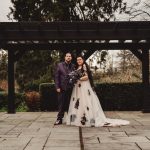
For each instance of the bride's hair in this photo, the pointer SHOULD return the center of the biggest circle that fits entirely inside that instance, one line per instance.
(87, 69)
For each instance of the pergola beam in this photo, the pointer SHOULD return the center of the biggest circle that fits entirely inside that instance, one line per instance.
(137, 54)
(74, 35)
(88, 46)
(75, 31)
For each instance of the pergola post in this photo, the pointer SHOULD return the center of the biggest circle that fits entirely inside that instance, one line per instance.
(11, 83)
(145, 79)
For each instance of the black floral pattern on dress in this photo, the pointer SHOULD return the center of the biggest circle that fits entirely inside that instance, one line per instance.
(87, 108)
(83, 120)
(73, 98)
(77, 104)
(89, 92)
(72, 118)
(92, 121)
(79, 85)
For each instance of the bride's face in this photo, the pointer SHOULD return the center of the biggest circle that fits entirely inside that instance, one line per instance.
(80, 61)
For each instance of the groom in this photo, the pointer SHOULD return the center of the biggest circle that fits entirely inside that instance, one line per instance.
(63, 92)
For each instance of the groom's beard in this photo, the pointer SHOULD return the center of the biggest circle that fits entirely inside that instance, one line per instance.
(68, 62)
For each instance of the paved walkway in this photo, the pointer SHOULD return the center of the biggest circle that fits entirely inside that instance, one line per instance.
(35, 131)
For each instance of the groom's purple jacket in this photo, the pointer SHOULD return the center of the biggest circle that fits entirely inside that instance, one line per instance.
(60, 75)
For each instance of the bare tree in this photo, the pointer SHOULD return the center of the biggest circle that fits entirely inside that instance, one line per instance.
(128, 59)
(140, 10)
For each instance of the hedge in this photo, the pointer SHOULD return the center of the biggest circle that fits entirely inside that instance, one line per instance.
(48, 97)
(115, 96)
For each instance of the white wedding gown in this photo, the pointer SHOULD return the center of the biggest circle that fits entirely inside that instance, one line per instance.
(85, 109)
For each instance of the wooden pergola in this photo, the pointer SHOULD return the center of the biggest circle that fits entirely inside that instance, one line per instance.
(17, 37)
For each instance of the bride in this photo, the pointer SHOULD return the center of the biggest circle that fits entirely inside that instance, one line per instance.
(85, 109)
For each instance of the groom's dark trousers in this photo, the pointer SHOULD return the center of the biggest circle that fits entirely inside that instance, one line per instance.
(63, 102)
(60, 82)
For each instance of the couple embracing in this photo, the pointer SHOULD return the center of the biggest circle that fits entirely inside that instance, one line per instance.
(83, 106)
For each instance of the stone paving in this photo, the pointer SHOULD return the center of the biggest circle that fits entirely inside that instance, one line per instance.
(35, 131)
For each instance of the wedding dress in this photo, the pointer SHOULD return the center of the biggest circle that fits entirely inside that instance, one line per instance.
(85, 109)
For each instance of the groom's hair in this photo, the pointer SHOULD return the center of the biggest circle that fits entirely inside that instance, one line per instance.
(67, 53)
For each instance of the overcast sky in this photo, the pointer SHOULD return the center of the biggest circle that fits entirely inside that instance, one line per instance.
(4, 9)
(5, 4)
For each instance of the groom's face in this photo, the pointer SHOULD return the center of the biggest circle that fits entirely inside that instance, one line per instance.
(68, 57)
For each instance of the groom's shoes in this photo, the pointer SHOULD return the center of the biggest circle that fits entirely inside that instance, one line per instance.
(58, 122)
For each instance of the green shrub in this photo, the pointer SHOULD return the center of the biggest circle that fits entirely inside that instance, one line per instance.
(32, 86)
(22, 107)
(19, 101)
